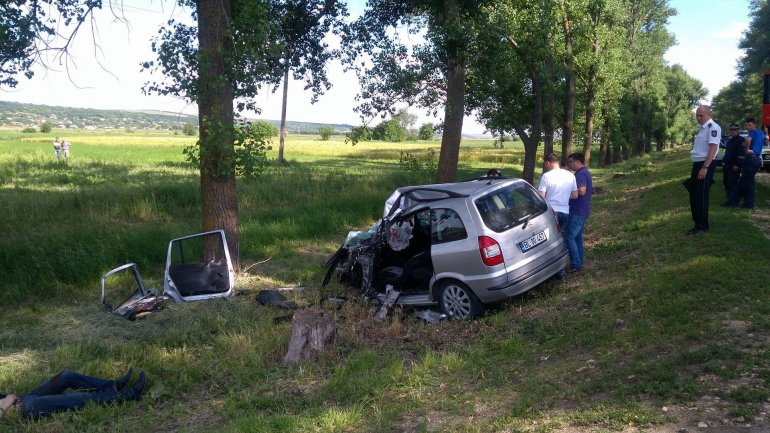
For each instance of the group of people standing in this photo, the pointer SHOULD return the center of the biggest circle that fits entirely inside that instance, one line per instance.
(568, 191)
(61, 149)
(742, 160)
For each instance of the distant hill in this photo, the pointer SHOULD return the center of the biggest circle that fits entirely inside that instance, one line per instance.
(21, 115)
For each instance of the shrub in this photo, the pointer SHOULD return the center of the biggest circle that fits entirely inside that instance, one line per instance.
(262, 130)
(389, 130)
(359, 133)
(28, 130)
(423, 168)
(189, 129)
(45, 127)
(426, 131)
(325, 132)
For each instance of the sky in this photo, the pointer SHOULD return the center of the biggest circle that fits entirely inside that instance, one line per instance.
(107, 75)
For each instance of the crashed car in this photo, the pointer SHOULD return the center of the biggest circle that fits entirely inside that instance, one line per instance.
(456, 245)
(198, 267)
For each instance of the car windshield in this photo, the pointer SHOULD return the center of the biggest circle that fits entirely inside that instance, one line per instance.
(510, 206)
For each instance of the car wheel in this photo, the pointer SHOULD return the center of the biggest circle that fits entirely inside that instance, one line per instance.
(458, 301)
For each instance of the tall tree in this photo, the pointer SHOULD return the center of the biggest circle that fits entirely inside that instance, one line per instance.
(756, 40)
(431, 75)
(300, 31)
(30, 29)
(218, 64)
(647, 39)
(567, 18)
(506, 84)
(743, 97)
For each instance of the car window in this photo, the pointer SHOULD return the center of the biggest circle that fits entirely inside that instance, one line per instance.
(446, 226)
(510, 206)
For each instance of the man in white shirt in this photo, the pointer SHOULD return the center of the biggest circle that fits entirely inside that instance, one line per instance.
(702, 154)
(558, 186)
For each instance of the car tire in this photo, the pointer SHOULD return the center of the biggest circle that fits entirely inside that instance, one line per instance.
(458, 301)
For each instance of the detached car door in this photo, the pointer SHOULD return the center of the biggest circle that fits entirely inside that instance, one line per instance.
(198, 267)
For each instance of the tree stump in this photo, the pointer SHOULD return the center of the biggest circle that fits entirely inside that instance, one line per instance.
(311, 331)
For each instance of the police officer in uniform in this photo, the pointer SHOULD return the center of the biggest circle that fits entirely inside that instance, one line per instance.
(732, 163)
(702, 154)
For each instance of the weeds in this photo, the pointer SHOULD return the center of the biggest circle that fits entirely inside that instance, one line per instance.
(646, 324)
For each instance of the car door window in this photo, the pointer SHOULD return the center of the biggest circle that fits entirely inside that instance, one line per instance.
(446, 226)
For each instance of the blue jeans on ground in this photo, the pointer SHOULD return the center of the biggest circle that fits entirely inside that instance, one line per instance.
(49, 397)
(573, 237)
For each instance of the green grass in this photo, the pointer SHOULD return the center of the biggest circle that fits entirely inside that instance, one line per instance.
(644, 326)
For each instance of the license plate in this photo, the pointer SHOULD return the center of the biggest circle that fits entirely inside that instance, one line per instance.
(532, 242)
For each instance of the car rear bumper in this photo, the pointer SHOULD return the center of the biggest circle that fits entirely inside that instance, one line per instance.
(526, 281)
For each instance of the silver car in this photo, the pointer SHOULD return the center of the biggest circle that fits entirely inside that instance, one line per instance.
(456, 245)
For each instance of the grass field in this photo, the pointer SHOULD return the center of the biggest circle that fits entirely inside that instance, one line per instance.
(661, 332)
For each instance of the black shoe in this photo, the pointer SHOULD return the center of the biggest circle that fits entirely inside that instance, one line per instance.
(136, 390)
(574, 271)
(692, 231)
(743, 206)
(123, 381)
(728, 204)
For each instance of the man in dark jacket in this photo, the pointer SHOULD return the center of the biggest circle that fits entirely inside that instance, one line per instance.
(732, 163)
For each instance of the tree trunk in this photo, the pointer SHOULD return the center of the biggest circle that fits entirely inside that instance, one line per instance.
(455, 100)
(550, 105)
(219, 198)
(283, 111)
(589, 128)
(311, 331)
(532, 140)
(604, 139)
(569, 83)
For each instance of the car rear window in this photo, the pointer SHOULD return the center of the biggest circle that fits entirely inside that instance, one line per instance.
(510, 206)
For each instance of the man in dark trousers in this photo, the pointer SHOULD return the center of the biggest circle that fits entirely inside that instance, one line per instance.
(704, 148)
(732, 163)
(753, 162)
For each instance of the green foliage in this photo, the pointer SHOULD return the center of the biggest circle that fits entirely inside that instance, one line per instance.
(263, 130)
(422, 167)
(389, 130)
(426, 131)
(249, 144)
(602, 351)
(755, 41)
(45, 127)
(29, 130)
(325, 132)
(189, 129)
(26, 29)
(359, 133)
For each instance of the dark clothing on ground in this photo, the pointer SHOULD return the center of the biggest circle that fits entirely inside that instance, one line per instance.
(50, 397)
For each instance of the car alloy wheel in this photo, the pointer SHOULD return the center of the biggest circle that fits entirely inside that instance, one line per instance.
(458, 301)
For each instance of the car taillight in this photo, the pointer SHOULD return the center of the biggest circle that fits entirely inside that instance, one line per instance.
(556, 218)
(491, 253)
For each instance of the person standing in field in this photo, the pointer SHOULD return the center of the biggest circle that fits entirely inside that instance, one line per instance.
(579, 210)
(57, 149)
(732, 163)
(65, 149)
(753, 149)
(558, 187)
(704, 149)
